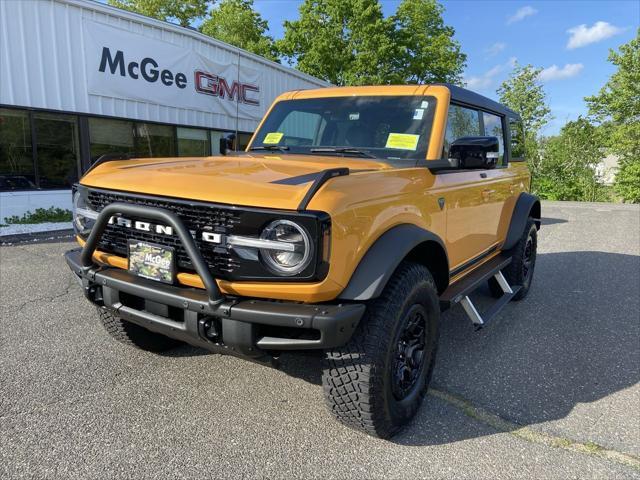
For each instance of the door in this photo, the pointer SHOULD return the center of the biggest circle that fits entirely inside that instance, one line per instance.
(470, 196)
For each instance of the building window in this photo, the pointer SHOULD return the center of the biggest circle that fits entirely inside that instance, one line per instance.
(154, 140)
(16, 156)
(110, 136)
(243, 140)
(57, 150)
(493, 128)
(193, 142)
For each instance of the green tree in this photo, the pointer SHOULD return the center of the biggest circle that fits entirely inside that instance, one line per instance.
(566, 170)
(346, 42)
(426, 49)
(184, 11)
(627, 184)
(617, 108)
(237, 23)
(524, 94)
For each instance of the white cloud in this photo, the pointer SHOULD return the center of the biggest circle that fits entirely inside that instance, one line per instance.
(582, 35)
(557, 73)
(489, 78)
(495, 49)
(521, 14)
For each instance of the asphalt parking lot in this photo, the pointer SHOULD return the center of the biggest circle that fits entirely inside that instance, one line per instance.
(549, 390)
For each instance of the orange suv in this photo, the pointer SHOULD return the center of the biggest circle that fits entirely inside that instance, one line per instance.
(355, 216)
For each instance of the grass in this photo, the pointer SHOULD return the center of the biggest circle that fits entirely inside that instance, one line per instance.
(41, 215)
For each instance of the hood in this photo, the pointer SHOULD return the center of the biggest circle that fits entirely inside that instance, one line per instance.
(273, 181)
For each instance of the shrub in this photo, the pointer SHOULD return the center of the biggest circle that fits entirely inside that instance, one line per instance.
(41, 215)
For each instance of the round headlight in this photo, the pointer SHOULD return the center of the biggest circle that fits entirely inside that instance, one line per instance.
(296, 253)
(83, 216)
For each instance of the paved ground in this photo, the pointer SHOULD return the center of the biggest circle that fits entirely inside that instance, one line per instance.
(550, 390)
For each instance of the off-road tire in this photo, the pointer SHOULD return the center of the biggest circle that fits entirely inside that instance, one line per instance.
(134, 335)
(358, 379)
(514, 273)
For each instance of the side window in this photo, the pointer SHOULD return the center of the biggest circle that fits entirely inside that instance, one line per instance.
(461, 122)
(493, 128)
(517, 139)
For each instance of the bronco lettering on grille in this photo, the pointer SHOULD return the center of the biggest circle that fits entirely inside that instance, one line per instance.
(205, 236)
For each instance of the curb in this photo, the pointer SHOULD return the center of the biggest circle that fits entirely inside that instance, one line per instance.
(37, 237)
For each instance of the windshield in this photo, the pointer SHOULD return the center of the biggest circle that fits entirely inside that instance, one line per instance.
(394, 128)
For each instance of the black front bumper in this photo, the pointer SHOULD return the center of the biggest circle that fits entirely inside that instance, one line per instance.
(242, 326)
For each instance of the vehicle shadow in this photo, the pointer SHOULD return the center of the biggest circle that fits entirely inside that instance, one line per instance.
(573, 340)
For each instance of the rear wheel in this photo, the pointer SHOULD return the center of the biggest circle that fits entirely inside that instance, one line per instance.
(523, 262)
(377, 381)
(134, 335)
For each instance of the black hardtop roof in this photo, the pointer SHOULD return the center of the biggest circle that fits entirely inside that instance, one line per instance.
(462, 95)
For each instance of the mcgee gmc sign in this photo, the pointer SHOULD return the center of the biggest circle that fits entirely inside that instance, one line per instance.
(148, 70)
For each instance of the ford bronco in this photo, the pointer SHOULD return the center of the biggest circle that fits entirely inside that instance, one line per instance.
(354, 217)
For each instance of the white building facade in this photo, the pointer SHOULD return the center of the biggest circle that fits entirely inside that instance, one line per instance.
(79, 79)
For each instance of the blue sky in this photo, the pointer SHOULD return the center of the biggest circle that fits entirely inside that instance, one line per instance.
(573, 36)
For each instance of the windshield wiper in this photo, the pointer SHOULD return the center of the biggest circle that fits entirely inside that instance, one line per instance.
(354, 151)
(282, 148)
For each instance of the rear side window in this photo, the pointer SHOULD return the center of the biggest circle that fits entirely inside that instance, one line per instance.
(493, 128)
(517, 139)
(461, 122)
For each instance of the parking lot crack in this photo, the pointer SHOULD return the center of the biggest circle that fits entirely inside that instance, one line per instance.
(45, 298)
(530, 435)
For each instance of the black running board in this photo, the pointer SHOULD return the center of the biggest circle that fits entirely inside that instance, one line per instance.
(459, 292)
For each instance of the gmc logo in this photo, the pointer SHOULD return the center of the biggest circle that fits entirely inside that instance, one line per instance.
(218, 87)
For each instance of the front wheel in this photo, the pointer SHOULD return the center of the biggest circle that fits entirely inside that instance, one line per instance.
(378, 380)
(134, 335)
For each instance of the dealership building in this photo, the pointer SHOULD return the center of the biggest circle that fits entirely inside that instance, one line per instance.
(79, 79)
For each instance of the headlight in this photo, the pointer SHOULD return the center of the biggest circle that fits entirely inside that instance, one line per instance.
(83, 216)
(296, 252)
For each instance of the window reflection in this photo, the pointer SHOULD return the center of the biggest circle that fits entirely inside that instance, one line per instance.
(154, 140)
(493, 128)
(110, 136)
(16, 160)
(57, 149)
(193, 142)
(461, 122)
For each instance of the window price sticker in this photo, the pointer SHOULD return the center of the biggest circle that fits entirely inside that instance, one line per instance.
(402, 141)
(273, 138)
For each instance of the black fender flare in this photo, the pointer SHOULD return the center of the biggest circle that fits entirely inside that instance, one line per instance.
(383, 257)
(526, 206)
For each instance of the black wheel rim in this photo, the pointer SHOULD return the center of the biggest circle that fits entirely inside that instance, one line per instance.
(409, 354)
(528, 257)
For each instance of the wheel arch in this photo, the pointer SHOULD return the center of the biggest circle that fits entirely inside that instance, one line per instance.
(407, 242)
(527, 205)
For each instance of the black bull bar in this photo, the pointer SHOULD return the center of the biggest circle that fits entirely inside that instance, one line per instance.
(236, 322)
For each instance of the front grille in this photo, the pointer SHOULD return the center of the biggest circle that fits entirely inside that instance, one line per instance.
(196, 218)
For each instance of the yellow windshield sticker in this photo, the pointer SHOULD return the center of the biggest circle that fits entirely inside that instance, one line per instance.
(273, 137)
(403, 141)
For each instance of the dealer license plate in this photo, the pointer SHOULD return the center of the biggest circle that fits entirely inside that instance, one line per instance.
(152, 261)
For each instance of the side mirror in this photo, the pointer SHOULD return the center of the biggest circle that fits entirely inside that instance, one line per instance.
(474, 152)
